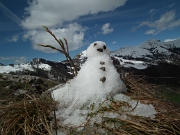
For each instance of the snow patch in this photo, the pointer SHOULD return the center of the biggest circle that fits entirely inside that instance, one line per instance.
(132, 63)
(21, 67)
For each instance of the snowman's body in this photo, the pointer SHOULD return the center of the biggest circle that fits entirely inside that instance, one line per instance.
(96, 80)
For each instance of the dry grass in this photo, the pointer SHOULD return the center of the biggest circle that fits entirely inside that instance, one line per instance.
(33, 115)
(167, 120)
(29, 117)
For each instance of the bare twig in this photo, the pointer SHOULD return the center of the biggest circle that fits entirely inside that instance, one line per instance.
(64, 51)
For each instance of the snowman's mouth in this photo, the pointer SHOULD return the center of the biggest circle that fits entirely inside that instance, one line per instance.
(100, 50)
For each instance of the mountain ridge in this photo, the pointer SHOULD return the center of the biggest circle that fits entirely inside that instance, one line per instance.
(39, 67)
(138, 57)
(151, 50)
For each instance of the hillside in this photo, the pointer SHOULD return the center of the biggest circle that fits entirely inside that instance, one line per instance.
(25, 96)
(151, 51)
(152, 58)
(39, 67)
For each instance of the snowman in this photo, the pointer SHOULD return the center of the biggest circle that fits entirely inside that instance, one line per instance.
(97, 80)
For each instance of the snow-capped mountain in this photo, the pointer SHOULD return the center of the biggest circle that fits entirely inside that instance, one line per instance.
(138, 57)
(160, 61)
(31, 66)
(150, 51)
(39, 67)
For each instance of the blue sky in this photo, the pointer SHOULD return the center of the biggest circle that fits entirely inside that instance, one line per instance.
(119, 23)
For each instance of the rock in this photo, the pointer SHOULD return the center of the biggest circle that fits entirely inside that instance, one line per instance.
(39, 81)
(103, 79)
(102, 68)
(8, 87)
(20, 92)
(102, 63)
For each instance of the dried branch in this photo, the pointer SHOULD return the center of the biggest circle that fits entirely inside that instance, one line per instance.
(63, 50)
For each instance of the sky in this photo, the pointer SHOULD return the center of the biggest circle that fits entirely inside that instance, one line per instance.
(118, 23)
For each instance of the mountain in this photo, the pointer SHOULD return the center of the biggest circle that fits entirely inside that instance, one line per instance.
(158, 61)
(150, 51)
(39, 67)
(152, 58)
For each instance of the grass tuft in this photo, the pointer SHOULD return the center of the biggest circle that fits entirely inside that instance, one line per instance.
(29, 116)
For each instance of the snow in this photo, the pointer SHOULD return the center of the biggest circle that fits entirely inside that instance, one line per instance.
(176, 43)
(132, 63)
(7, 69)
(83, 54)
(21, 67)
(140, 110)
(147, 48)
(44, 66)
(83, 94)
(168, 40)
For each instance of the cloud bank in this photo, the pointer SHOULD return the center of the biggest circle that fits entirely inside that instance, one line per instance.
(167, 21)
(58, 15)
(16, 60)
(74, 33)
(58, 11)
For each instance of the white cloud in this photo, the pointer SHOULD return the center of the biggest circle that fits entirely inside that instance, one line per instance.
(165, 22)
(105, 29)
(13, 39)
(20, 60)
(151, 31)
(74, 33)
(114, 42)
(17, 60)
(151, 11)
(170, 6)
(43, 12)
(170, 39)
(56, 14)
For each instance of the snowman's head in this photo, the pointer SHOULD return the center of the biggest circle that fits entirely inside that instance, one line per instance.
(97, 48)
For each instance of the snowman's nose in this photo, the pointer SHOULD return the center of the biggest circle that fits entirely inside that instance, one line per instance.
(100, 50)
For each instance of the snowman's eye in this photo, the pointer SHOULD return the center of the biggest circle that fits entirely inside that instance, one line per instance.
(104, 47)
(95, 44)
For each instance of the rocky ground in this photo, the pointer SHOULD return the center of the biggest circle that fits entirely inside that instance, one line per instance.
(15, 87)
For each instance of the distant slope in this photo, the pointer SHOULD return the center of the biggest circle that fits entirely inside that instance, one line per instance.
(39, 67)
(139, 57)
(151, 50)
(148, 53)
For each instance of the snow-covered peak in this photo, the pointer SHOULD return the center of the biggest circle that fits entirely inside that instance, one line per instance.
(22, 67)
(168, 40)
(14, 68)
(149, 49)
